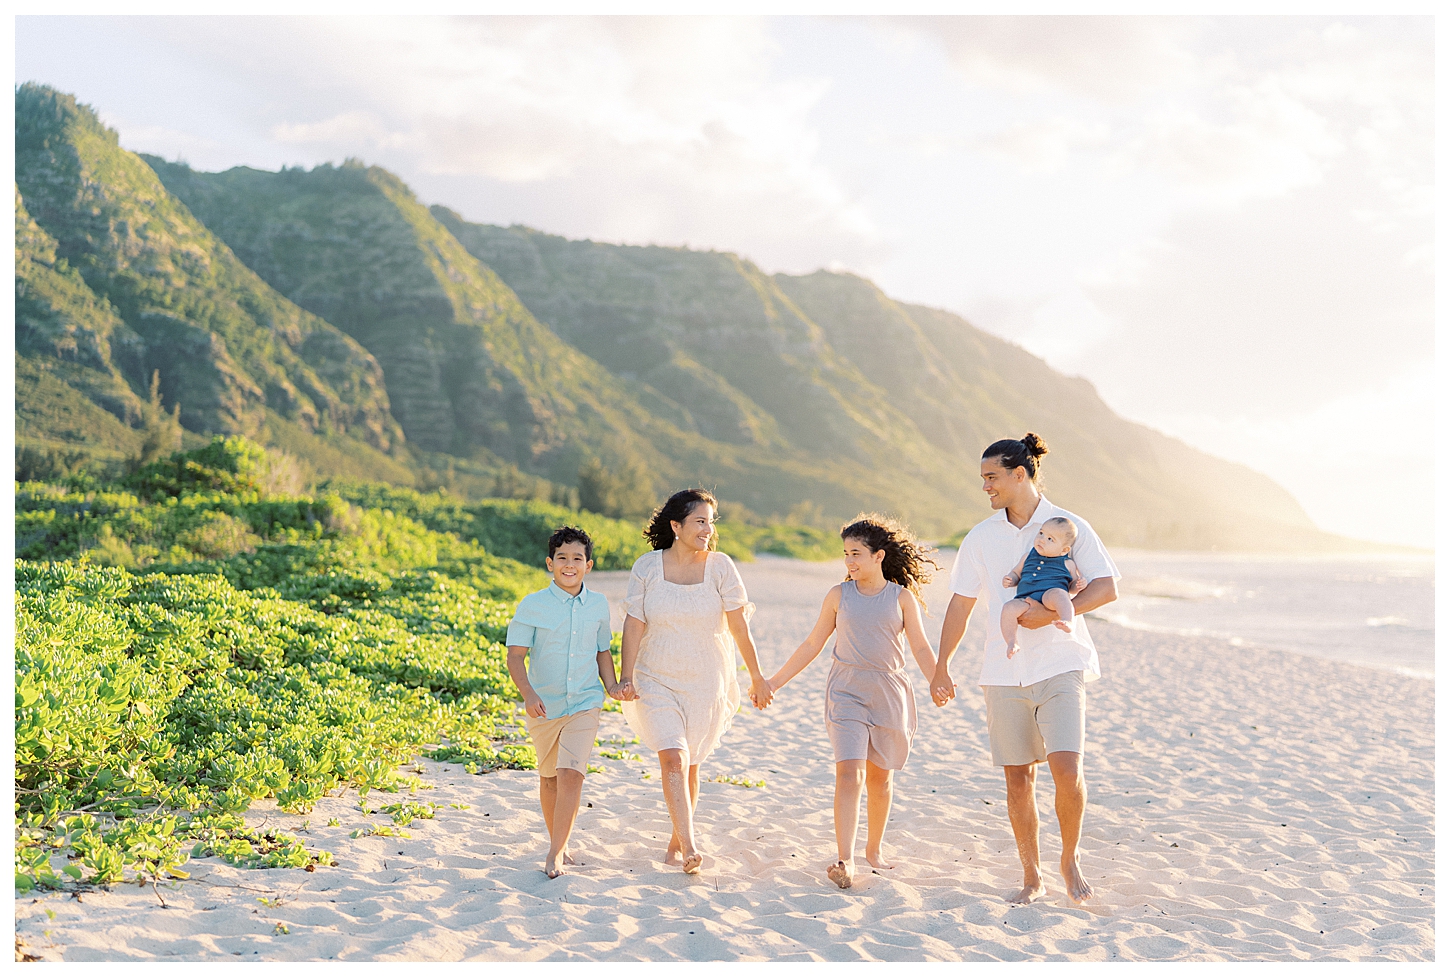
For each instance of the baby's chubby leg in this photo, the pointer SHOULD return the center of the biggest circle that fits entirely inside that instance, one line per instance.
(1011, 611)
(1060, 603)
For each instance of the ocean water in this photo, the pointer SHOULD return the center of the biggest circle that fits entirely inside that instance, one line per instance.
(1370, 610)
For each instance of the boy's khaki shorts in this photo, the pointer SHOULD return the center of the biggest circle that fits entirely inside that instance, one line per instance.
(1025, 723)
(564, 742)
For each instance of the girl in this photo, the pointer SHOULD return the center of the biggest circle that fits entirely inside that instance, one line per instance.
(870, 710)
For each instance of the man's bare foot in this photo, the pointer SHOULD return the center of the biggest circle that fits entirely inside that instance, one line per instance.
(1063, 626)
(1078, 889)
(554, 866)
(693, 863)
(840, 873)
(673, 855)
(878, 860)
(1013, 649)
(1029, 893)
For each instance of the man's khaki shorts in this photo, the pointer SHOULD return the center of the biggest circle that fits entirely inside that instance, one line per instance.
(564, 742)
(1026, 723)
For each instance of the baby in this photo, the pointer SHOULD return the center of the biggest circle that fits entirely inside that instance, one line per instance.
(1046, 572)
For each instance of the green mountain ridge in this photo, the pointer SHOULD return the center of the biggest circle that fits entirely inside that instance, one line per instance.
(329, 313)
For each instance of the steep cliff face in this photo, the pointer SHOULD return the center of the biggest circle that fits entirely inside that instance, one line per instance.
(116, 277)
(471, 369)
(845, 370)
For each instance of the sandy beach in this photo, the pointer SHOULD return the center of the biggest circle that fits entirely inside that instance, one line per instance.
(1244, 805)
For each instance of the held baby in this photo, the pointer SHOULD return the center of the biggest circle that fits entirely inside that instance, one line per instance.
(1046, 574)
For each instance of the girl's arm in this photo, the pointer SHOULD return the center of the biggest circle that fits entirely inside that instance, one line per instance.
(628, 652)
(1012, 579)
(815, 641)
(916, 635)
(760, 692)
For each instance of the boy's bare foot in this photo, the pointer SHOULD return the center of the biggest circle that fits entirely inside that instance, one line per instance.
(1078, 889)
(840, 873)
(878, 860)
(693, 863)
(1062, 626)
(1029, 893)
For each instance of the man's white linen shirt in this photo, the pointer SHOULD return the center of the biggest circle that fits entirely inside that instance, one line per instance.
(990, 552)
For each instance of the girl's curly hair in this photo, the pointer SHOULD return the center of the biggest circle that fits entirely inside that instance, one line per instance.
(677, 508)
(907, 559)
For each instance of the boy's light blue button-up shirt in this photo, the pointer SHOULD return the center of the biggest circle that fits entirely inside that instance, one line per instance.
(563, 635)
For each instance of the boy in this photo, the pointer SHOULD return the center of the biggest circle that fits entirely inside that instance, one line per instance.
(564, 631)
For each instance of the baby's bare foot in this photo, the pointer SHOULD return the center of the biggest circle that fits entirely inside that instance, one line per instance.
(878, 860)
(840, 873)
(1013, 649)
(1029, 893)
(1062, 626)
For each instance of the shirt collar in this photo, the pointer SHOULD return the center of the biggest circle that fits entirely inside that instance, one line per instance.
(563, 596)
(1045, 510)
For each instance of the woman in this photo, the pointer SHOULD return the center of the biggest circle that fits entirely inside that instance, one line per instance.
(677, 666)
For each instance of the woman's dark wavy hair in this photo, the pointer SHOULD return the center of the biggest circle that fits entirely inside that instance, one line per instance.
(906, 560)
(677, 508)
(1015, 453)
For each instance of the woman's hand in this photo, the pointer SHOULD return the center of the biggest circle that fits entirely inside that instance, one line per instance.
(624, 691)
(760, 691)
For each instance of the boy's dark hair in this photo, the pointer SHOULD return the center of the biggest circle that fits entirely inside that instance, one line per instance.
(569, 534)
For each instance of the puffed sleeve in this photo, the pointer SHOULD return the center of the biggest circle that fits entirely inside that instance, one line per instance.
(732, 588)
(638, 584)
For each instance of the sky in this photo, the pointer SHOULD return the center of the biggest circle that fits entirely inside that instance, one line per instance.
(1225, 224)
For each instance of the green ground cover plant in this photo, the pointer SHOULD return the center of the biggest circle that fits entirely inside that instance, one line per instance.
(195, 634)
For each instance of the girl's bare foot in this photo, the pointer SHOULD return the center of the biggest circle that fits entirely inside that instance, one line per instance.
(568, 858)
(554, 866)
(693, 862)
(673, 853)
(840, 873)
(878, 860)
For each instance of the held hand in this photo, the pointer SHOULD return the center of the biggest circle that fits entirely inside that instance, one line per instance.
(943, 689)
(760, 691)
(626, 692)
(534, 706)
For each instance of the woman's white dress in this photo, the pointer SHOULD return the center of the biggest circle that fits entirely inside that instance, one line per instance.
(685, 670)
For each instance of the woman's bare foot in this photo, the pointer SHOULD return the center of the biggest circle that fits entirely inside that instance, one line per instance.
(840, 873)
(1078, 889)
(878, 860)
(693, 863)
(554, 866)
(1029, 893)
(568, 858)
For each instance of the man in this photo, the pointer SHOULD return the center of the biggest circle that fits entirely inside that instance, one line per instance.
(1036, 700)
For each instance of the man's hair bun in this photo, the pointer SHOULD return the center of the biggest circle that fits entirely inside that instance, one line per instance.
(1036, 447)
